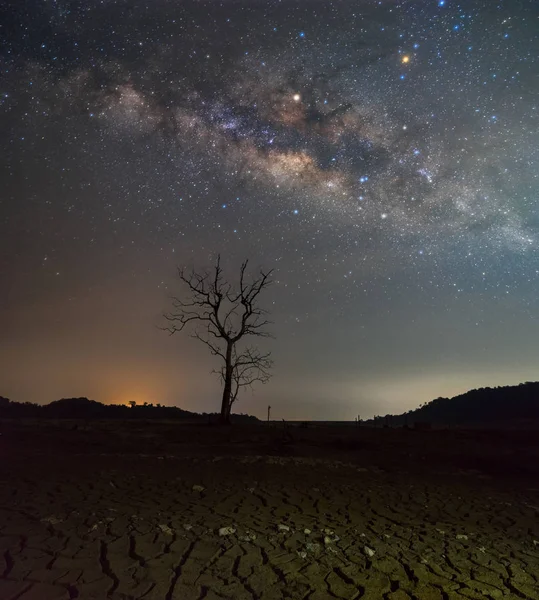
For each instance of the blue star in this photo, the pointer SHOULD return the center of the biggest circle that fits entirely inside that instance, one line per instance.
(301, 34)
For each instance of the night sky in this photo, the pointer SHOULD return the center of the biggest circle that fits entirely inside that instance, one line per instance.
(381, 156)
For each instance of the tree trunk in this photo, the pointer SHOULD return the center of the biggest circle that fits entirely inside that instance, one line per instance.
(227, 389)
(228, 412)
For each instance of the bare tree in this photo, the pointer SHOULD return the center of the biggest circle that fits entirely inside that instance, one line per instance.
(220, 315)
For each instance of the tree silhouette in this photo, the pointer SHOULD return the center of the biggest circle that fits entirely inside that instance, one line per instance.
(221, 315)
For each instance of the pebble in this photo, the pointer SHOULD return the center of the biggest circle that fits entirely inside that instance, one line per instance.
(166, 529)
(224, 531)
(369, 552)
(312, 547)
(52, 520)
(283, 527)
(248, 537)
(462, 536)
(198, 488)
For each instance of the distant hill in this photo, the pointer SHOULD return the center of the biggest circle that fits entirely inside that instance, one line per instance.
(83, 408)
(502, 406)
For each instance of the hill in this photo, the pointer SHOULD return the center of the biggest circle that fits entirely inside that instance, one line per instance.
(501, 406)
(83, 408)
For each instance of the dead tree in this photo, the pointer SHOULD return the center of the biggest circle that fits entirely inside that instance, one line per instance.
(220, 316)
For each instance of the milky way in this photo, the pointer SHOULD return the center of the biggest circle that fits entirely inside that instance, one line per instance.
(382, 156)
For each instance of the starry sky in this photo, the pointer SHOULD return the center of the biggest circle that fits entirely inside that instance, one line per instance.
(382, 156)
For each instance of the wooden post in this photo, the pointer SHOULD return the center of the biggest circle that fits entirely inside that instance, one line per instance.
(269, 408)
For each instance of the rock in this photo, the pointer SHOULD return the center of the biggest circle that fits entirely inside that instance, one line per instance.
(165, 529)
(283, 527)
(307, 531)
(302, 554)
(536, 542)
(369, 552)
(198, 488)
(187, 527)
(224, 531)
(462, 536)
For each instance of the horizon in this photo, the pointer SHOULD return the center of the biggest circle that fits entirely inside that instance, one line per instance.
(262, 415)
(381, 158)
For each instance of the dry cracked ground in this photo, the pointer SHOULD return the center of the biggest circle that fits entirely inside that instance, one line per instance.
(173, 526)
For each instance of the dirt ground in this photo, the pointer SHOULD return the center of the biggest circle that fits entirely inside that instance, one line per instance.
(163, 511)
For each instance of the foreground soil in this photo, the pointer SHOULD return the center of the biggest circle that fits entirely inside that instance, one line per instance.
(160, 511)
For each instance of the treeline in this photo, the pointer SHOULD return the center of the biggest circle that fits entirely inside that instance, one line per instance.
(484, 406)
(83, 408)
